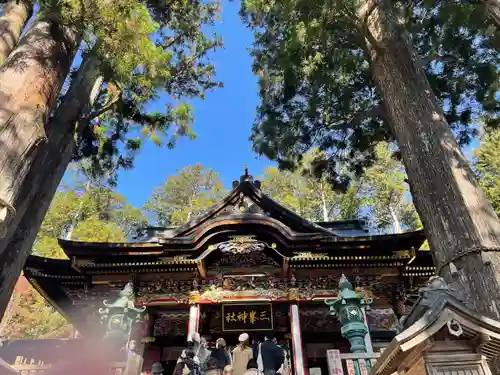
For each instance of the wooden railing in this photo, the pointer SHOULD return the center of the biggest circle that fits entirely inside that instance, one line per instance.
(24, 368)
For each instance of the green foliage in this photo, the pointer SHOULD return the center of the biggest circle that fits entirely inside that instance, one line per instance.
(386, 193)
(184, 196)
(91, 211)
(147, 50)
(291, 191)
(381, 195)
(316, 82)
(96, 230)
(309, 196)
(29, 316)
(486, 163)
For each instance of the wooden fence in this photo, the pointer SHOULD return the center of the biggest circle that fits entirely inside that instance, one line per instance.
(30, 367)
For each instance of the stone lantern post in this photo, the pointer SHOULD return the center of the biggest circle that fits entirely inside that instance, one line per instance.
(348, 308)
(120, 316)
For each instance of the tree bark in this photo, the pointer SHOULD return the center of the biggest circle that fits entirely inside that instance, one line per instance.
(15, 15)
(324, 207)
(493, 9)
(461, 226)
(45, 175)
(396, 223)
(30, 81)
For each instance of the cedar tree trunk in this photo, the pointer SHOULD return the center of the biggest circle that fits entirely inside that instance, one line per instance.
(324, 208)
(46, 173)
(30, 81)
(15, 15)
(461, 226)
(493, 8)
(396, 223)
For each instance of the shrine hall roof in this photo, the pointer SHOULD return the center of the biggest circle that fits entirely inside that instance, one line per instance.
(246, 210)
(245, 213)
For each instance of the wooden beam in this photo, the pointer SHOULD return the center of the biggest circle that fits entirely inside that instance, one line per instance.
(202, 270)
(285, 267)
(414, 356)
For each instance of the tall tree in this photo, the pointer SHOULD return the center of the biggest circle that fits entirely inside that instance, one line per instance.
(493, 9)
(31, 79)
(95, 213)
(135, 68)
(87, 211)
(185, 195)
(486, 163)
(347, 75)
(335, 205)
(310, 196)
(15, 14)
(386, 193)
(31, 317)
(291, 191)
(462, 229)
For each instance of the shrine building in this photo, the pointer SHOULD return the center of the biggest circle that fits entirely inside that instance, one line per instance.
(245, 265)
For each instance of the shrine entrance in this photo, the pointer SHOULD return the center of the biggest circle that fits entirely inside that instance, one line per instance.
(257, 319)
(169, 329)
(320, 331)
(167, 336)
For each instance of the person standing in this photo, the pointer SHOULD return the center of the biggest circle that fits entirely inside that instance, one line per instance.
(191, 363)
(270, 357)
(203, 353)
(241, 355)
(252, 368)
(212, 367)
(220, 354)
(190, 347)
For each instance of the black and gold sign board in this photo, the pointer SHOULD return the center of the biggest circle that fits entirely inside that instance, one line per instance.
(247, 317)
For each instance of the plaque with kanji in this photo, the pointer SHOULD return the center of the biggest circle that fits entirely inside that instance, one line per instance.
(247, 317)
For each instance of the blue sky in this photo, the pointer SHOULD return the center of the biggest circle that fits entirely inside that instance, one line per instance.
(223, 122)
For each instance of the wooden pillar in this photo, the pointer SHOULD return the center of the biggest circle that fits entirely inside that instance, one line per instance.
(368, 338)
(298, 354)
(194, 319)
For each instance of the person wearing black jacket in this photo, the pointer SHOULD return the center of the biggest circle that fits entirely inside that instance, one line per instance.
(272, 355)
(220, 354)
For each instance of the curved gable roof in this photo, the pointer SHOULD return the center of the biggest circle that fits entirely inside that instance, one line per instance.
(262, 203)
(434, 310)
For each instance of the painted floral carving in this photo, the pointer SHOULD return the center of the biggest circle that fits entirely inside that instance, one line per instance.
(223, 287)
(381, 320)
(171, 324)
(245, 260)
(241, 245)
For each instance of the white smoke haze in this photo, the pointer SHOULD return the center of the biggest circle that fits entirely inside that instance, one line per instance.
(89, 358)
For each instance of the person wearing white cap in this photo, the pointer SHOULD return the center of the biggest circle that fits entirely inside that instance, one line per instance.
(241, 355)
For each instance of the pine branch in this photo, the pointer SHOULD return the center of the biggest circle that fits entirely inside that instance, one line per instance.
(105, 108)
(437, 57)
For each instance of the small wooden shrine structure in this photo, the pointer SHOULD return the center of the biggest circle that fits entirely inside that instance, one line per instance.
(442, 336)
(245, 265)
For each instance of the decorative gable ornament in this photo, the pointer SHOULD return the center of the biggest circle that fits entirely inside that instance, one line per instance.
(241, 245)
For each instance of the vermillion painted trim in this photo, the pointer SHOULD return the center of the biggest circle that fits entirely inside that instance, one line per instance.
(298, 355)
(194, 318)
